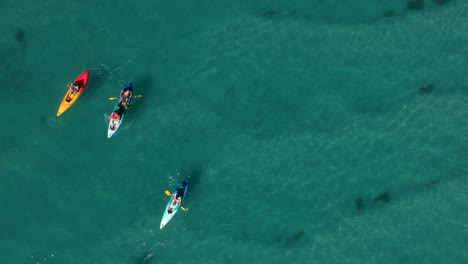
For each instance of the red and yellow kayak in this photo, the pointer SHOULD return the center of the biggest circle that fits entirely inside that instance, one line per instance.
(71, 96)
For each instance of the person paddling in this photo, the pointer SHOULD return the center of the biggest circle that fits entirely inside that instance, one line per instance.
(75, 87)
(177, 201)
(125, 94)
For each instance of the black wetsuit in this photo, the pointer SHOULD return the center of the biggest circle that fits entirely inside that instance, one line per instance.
(120, 111)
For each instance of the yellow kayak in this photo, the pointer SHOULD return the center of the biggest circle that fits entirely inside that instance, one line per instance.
(72, 95)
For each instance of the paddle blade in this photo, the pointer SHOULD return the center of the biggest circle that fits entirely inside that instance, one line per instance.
(183, 208)
(113, 98)
(168, 193)
(138, 96)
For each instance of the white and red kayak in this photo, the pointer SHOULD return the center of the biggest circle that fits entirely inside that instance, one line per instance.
(119, 112)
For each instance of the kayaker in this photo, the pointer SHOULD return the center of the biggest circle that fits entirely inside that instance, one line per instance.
(115, 115)
(75, 87)
(121, 110)
(113, 126)
(125, 104)
(176, 201)
(118, 113)
(115, 118)
(124, 95)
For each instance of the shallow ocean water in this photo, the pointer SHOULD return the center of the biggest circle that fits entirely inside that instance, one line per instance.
(314, 132)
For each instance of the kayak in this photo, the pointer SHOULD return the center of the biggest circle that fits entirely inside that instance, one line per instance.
(172, 208)
(71, 96)
(119, 112)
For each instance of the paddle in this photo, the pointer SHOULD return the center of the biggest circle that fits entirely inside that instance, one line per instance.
(168, 193)
(115, 98)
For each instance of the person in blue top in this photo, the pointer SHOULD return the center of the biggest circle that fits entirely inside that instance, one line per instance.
(125, 94)
(124, 103)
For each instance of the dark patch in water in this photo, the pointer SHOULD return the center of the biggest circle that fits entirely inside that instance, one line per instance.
(277, 239)
(8, 143)
(289, 240)
(20, 34)
(441, 2)
(431, 184)
(415, 5)
(196, 173)
(359, 204)
(255, 82)
(43, 119)
(269, 13)
(389, 13)
(292, 12)
(143, 83)
(294, 238)
(383, 197)
(279, 15)
(231, 100)
(427, 89)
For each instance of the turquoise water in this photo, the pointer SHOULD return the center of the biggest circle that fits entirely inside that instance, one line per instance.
(314, 132)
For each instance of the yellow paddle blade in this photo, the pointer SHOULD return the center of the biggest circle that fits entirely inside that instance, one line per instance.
(168, 193)
(183, 208)
(113, 98)
(138, 96)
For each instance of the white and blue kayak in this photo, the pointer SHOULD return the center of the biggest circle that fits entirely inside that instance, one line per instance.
(119, 111)
(172, 206)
